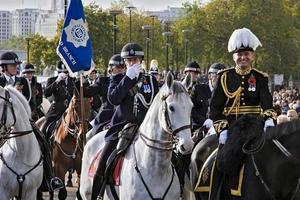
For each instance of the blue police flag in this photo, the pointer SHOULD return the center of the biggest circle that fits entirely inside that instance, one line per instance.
(75, 47)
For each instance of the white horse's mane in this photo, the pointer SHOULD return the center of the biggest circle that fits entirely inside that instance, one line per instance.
(19, 96)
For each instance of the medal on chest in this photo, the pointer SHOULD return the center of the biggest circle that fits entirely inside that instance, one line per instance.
(146, 87)
(252, 83)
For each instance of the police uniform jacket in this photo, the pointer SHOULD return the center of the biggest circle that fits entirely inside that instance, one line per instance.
(18, 81)
(100, 88)
(95, 98)
(132, 98)
(200, 93)
(62, 93)
(238, 93)
(36, 94)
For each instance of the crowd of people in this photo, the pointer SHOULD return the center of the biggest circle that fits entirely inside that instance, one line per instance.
(125, 94)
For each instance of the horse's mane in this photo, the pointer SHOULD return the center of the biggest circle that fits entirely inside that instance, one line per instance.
(283, 129)
(21, 97)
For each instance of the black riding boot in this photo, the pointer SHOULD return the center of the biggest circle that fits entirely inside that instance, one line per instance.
(54, 183)
(99, 179)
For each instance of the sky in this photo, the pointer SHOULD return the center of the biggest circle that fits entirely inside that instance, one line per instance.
(140, 4)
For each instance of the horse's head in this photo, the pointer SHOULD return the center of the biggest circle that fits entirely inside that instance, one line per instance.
(175, 112)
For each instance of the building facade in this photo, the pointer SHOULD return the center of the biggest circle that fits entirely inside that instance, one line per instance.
(23, 22)
(5, 25)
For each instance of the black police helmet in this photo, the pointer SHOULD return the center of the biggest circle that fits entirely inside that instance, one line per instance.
(9, 58)
(192, 67)
(116, 60)
(61, 67)
(132, 50)
(216, 67)
(29, 68)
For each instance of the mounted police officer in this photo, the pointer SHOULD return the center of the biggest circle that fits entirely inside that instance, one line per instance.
(213, 75)
(116, 66)
(200, 93)
(95, 99)
(132, 93)
(35, 91)
(9, 62)
(61, 87)
(241, 90)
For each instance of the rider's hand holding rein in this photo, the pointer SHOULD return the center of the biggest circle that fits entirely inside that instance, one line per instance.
(268, 123)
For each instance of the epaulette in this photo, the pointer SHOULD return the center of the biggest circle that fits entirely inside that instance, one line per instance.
(260, 72)
(225, 70)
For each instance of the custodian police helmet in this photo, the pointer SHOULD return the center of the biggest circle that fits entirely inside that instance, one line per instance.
(9, 58)
(132, 50)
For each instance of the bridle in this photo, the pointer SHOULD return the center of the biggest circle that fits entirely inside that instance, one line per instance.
(167, 145)
(284, 151)
(6, 132)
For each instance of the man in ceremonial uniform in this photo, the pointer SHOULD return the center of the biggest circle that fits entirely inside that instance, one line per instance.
(9, 62)
(35, 92)
(132, 93)
(61, 87)
(241, 90)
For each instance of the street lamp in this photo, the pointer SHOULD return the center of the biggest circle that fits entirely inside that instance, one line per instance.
(65, 7)
(28, 47)
(167, 35)
(114, 13)
(147, 28)
(130, 7)
(152, 35)
(185, 32)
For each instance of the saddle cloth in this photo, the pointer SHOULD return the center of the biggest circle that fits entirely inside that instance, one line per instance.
(208, 172)
(116, 172)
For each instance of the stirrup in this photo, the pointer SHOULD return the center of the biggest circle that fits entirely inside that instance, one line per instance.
(56, 184)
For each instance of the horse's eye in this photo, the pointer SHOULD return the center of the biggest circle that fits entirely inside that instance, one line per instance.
(171, 108)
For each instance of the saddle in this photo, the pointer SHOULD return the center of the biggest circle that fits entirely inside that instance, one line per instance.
(211, 180)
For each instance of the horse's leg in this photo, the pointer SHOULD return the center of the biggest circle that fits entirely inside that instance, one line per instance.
(51, 195)
(69, 182)
(39, 194)
(188, 191)
(60, 171)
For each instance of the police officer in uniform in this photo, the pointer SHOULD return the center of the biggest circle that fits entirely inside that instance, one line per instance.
(132, 93)
(213, 75)
(116, 66)
(9, 62)
(200, 93)
(95, 100)
(241, 90)
(35, 92)
(61, 87)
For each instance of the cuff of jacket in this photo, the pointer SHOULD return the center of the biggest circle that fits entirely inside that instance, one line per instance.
(220, 125)
(270, 113)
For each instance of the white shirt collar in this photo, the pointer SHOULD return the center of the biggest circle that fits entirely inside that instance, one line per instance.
(7, 77)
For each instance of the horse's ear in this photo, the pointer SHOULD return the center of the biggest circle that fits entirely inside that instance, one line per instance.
(169, 79)
(187, 82)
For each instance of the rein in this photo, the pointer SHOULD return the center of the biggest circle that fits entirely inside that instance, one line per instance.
(283, 150)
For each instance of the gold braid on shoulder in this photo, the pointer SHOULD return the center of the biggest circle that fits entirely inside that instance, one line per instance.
(230, 95)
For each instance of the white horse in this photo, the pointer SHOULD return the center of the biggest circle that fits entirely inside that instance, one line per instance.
(21, 170)
(147, 170)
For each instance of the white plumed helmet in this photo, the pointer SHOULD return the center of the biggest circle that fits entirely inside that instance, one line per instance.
(243, 40)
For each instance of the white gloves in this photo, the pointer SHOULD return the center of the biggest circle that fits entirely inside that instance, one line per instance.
(61, 76)
(134, 71)
(208, 123)
(223, 137)
(268, 122)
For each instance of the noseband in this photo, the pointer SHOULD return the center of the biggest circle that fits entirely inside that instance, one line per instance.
(6, 132)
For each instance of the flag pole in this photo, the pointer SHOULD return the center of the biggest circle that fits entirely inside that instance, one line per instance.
(83, 121)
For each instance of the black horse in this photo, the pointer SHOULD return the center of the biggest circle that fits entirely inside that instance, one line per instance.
(271, 161)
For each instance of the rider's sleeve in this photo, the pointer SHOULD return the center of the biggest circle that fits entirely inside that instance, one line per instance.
(119, 89)
(50, 87)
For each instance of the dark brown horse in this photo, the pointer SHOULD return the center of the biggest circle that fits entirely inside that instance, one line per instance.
(68, 144)
(272, 160)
